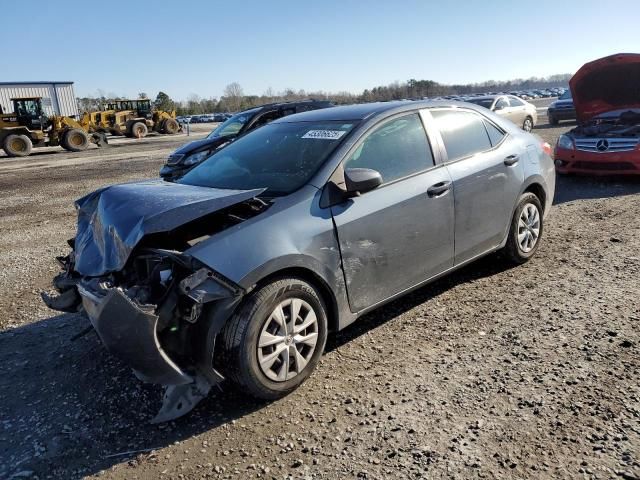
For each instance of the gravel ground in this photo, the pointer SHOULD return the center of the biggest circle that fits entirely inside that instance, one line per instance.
(492, 372)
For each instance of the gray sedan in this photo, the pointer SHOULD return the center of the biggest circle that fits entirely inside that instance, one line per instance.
(242, 268)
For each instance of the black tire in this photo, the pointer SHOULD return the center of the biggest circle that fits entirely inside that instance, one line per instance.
(513, 250)
(553, 120)
(75, 140)
(170, 126)
(239, 338)
(138, 130)
(527, 125)
(17, 145)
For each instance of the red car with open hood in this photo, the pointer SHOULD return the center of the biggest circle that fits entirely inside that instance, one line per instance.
(606, 95)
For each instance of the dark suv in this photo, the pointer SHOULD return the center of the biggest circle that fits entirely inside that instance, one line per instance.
(191, 154)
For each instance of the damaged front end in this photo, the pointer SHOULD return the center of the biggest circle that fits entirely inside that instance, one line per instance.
(161, 312)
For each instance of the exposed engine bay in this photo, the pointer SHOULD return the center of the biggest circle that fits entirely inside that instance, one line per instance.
(624, 124)
(161, 311)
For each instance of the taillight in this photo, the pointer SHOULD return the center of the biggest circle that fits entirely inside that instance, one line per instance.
(546, 148)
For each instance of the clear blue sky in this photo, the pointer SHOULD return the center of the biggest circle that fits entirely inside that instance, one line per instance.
(198, 47)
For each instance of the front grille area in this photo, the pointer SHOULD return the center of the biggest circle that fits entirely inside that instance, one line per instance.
(604, 166)
(606, 145)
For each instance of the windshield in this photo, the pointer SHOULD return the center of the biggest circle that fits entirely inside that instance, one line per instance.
(233, 125)
(280, 157)
(483, 102)
(566, 95)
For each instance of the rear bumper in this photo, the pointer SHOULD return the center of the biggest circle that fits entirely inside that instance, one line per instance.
(129, 331)
(576, 161)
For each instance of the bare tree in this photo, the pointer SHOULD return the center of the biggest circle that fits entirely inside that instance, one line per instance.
(233, 95)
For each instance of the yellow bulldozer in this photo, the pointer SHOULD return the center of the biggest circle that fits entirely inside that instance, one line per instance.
(28, 127)
(132, 118)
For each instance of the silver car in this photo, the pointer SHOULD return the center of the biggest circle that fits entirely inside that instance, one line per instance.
(241, 269)
(520, 112)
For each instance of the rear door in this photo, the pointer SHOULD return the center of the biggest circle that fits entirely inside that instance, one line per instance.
(486, 170)
(401, 233)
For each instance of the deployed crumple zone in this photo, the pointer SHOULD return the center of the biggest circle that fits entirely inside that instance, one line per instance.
(114, 273)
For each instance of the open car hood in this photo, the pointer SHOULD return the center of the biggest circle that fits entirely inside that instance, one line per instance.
(114, 219)
(609, 83)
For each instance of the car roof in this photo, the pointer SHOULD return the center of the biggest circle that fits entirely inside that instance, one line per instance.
(363, 111)
(292, 103)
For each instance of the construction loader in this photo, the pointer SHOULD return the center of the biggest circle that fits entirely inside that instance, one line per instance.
(133, 118)
(27, 127)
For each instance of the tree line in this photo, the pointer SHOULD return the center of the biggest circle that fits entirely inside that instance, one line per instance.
(234, 99)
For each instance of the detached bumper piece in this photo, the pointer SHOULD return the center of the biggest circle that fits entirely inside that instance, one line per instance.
(129, 332)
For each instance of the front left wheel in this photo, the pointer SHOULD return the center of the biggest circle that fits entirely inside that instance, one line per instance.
(275, 339)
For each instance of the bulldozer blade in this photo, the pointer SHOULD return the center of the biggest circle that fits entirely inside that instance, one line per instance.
(100, 139)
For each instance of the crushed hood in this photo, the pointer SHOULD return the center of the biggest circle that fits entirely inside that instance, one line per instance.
(113, 220)
(610, 83)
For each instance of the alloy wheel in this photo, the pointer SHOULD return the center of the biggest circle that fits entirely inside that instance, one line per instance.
(528, 227)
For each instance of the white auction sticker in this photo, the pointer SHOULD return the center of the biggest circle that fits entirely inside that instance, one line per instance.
(324, 134)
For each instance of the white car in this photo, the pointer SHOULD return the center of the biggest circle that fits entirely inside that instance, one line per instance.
(520, 112)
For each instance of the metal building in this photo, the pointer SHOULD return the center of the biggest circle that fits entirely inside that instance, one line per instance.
(58, 98)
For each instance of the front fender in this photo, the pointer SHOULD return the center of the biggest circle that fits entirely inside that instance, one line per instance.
(293, 233)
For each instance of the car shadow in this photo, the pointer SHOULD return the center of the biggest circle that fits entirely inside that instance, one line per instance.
(69, 408)
(582, 187)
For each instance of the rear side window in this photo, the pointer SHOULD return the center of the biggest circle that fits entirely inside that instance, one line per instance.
(495, 134)
(396, 149)
(463, 133)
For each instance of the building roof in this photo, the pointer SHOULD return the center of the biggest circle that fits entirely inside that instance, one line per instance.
(37, 83)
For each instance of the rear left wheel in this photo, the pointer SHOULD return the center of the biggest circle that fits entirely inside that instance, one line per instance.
(526, 229)
(275, 340)
(527, 125)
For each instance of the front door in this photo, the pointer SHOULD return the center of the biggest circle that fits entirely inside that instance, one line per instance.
(401, 233)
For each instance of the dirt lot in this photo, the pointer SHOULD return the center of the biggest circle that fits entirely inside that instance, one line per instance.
(529, 372)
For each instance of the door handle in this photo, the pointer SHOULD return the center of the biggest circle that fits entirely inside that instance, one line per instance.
(438, 189)
(511, 160)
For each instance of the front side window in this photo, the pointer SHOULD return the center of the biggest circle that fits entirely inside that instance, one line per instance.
(463, 133)
(515, 102)
(396, 149)
(233, 125)
(280, 157)
(501, 103)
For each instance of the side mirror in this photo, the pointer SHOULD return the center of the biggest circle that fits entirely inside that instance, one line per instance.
(361, 180)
